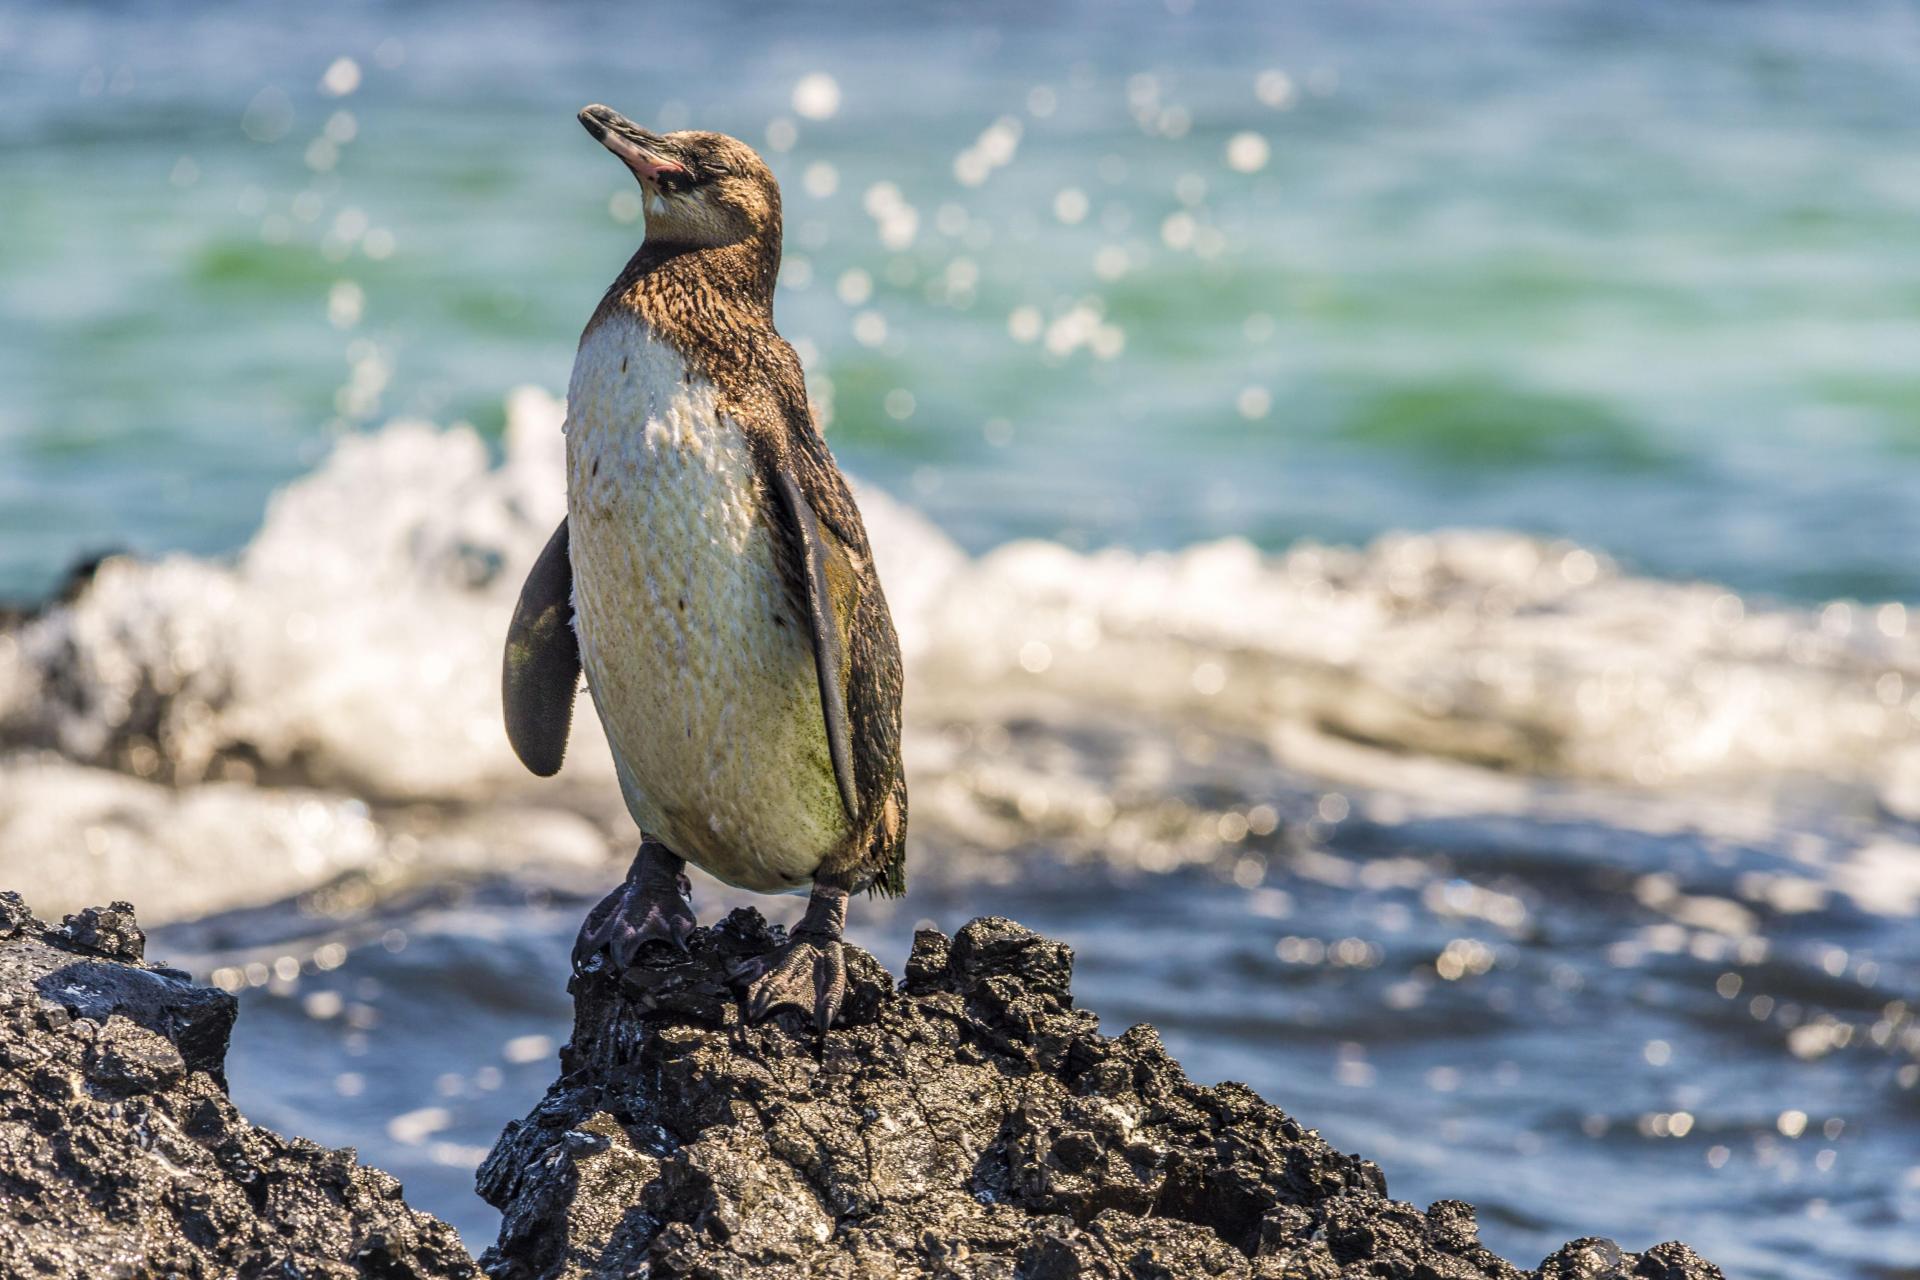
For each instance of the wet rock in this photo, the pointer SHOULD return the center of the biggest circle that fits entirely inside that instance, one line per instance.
(14, 916)
(128, 1059)
(121, 1155)
(1672, 1261)
(89, 970)
(108, 931)
(972, 1123)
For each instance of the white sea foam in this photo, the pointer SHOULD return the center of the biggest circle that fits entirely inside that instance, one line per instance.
(355, 642)
(1488, 647)
(347, 661)
(73, 835)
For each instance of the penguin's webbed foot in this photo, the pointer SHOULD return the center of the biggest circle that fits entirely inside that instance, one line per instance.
(805, 973)
(809, 970)
(653, 905)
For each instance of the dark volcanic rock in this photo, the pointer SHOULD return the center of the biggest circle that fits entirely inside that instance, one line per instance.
(120, 1155)
(972, 1124)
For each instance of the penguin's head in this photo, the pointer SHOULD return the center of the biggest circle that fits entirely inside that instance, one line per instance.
(700, 188)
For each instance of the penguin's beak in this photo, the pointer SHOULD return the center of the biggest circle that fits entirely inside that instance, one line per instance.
(638, 149)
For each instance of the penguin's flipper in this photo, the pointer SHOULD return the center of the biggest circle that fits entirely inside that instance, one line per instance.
(541, 671)
(831, 589)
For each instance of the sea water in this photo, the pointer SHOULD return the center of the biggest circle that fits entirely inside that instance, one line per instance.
(1400, 522)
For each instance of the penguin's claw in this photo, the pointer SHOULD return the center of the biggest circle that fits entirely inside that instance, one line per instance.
(806, 973)
(628, 919)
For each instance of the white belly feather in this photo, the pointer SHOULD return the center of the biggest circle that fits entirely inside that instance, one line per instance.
(712, 706)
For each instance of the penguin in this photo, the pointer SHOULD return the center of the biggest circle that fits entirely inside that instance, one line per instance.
(713, 581)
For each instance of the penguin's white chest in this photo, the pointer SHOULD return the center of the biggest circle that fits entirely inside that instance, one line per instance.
(696, 655)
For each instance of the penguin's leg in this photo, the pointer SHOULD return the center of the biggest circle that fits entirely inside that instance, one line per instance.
(652, 905)
(809, 971)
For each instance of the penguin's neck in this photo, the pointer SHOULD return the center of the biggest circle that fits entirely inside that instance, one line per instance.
(743, 271)
(712, 302)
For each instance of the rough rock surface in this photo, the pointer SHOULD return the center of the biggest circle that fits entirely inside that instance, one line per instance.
(972, 1124)
(121, 1156)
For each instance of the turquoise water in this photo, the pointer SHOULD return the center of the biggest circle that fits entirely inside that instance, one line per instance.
(1643, 276)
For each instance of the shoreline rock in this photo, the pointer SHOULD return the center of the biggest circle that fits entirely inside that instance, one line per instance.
(969, 1123)
(122, 1156)
(972, 1123)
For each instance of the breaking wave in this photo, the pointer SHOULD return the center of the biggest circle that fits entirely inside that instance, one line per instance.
(326, 703)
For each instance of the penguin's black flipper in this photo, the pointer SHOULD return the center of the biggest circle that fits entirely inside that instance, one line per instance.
(541, 671)
(830, 589)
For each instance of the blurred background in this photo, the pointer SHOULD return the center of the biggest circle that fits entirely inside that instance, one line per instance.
(1401, 520)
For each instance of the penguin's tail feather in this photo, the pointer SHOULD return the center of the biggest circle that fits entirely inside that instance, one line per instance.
(887, 846)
